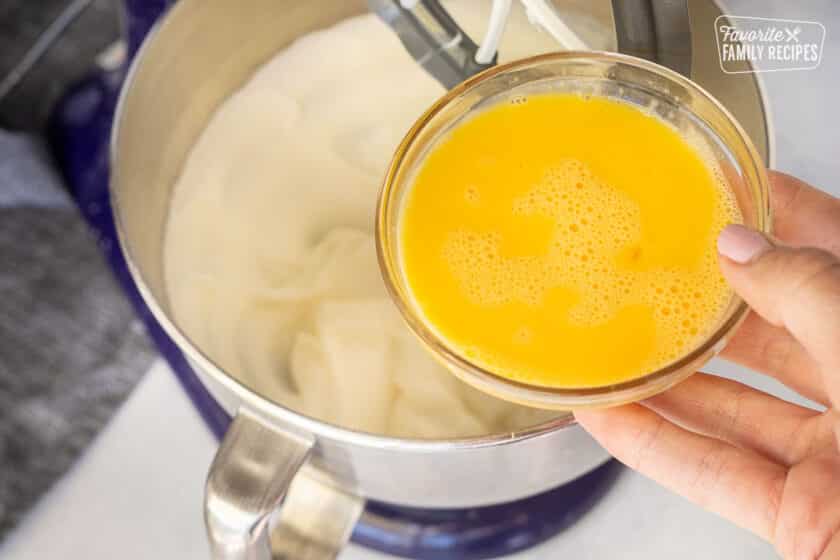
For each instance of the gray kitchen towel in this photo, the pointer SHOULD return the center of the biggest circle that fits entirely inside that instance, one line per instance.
(71, 348)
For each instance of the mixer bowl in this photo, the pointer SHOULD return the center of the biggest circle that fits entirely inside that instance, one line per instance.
(201, 53)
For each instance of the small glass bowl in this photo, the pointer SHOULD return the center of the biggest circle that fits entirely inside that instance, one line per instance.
(653, 88)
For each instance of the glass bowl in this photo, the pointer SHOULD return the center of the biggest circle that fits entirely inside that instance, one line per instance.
(648, 86)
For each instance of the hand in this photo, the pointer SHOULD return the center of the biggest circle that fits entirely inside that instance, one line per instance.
(768, 465)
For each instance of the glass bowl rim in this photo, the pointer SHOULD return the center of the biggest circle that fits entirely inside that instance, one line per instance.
(545, 396)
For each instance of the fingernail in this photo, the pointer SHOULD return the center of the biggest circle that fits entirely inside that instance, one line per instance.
(742, 244)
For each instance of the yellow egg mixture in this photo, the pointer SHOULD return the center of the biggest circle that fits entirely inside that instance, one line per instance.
(567, 242)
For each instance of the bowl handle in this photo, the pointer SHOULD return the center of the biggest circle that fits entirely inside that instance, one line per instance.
(254, 471)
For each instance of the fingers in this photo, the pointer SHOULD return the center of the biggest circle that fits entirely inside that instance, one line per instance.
(810, 512)
(781, 431)
(738, 484)
(773, 350)
(803, 215)
(798, 289)
(832, 549)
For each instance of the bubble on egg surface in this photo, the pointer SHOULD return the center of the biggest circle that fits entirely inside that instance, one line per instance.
(596, 250)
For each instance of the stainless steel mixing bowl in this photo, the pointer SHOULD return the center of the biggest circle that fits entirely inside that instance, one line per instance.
(198, 55)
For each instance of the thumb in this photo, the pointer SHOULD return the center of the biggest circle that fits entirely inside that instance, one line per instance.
(795, 288)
